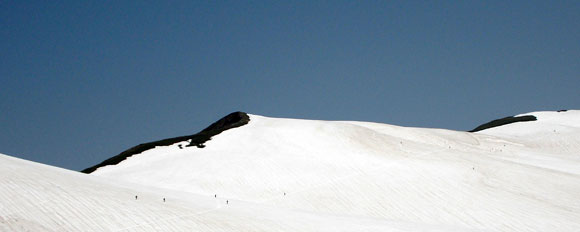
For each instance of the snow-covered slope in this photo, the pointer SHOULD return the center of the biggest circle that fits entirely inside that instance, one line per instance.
(487, 180)
(306, 175)
(553, 141)
(36, 197)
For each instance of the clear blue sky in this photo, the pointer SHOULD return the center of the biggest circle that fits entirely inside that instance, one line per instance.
(81, 81)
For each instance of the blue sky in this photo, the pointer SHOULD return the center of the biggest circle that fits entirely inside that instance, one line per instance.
(81, 81)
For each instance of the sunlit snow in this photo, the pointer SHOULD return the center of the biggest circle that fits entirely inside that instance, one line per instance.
(307, 175)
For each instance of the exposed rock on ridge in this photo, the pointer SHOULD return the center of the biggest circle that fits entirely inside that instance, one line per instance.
(504, 121)
(230, 121)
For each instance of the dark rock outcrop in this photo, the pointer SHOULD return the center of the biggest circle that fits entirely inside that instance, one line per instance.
(230, 121)
(504, 121)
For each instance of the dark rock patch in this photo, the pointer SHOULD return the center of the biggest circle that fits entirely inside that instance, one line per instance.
(230, 121)
(504, 121)
(562, 111)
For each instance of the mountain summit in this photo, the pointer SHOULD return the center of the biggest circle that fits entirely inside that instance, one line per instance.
(255, 173)
(496, 178)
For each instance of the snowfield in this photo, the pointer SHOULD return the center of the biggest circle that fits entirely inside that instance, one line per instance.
(278, 174)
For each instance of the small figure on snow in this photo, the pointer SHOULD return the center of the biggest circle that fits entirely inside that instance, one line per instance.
(135, 197)
(227, 202)
(164, 199)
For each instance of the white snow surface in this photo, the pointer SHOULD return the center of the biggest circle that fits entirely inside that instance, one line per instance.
(308, 175)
